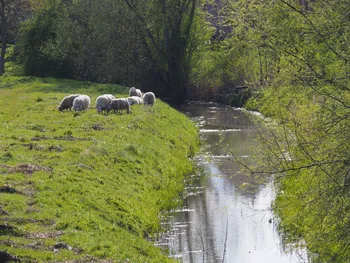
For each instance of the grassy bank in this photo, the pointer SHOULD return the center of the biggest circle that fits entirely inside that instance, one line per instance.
(86, 187)
(307, 146)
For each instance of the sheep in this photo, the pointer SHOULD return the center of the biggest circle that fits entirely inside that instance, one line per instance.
(149, 98)
(135, 100)
(67, 102)
(81, 103)
(103, 101)
(119, 105)
(135, 92)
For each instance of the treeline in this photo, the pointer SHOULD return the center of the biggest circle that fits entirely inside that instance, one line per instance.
(149, 44)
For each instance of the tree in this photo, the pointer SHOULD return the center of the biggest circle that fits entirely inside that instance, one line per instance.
(85, 40)
(150, 45)
(307, 95)
(167, 33)
(3, 37)
(12, 13)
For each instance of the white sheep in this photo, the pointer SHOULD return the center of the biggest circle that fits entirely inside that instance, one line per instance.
(67, 102)
(135, 92)
(119, 105)
(135, 100)
(103, 101)
(81, 103)
(149, 98)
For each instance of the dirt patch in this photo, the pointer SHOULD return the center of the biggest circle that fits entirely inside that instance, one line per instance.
(34, 146)
(26, 168)
(45, 235)
(98, 127)
(88, 259)
(56, 148)
(84, 166)
(60, 138)
(61, 245)
(8, 243)
(70, 138)
(40, 138)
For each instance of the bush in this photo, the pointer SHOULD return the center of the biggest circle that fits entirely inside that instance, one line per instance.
(240, 99)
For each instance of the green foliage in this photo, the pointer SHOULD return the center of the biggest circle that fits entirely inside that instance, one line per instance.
(37, 36)
(172, 41)
(88, 186)
(12, 67)
(303, 64)
(86, 40)
(146, 44)
(308, 149)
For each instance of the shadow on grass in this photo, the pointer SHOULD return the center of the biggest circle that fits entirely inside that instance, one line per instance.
(6, 257)
(8, 230)
(68, 86)
(73, 86)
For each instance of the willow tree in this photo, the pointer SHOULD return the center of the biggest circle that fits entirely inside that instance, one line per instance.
(168, 36)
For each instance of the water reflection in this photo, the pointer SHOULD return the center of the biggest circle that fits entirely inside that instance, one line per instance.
(224, 219)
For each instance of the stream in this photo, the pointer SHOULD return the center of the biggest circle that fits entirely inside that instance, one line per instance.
(225, 217)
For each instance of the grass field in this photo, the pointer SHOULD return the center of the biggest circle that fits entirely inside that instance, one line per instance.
(81, 186)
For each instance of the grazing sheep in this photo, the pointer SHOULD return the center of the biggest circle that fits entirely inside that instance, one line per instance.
(149, 98)
(103, 101)
(139, 93)
(135, 92)
(67, 102)
(81, 103)
(119, 105)
(135, 100)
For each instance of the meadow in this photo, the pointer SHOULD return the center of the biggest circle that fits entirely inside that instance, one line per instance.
(82, 186)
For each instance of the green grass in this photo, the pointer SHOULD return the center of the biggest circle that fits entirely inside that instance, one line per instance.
(95, 182)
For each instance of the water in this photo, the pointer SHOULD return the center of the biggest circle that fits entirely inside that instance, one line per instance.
(226, 215)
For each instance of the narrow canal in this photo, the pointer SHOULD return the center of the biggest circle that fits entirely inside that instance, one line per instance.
(226, 216)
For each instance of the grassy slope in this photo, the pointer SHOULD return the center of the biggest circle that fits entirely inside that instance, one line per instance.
(111, 175)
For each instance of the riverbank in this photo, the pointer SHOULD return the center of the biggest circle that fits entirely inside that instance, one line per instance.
(80, 187)
(305, 145)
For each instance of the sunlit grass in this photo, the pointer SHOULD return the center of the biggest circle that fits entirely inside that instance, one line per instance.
(95, 182)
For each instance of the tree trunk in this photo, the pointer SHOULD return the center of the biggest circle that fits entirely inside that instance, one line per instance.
(176, 70)
(3, 37)
(172, 50)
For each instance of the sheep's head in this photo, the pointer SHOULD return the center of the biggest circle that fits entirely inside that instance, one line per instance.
(99, 108)
(108, 108)
(78, 108)
(61, 108)
(132, 91)
(131, 101)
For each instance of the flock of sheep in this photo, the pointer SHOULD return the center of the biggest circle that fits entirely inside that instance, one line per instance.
(107, 102)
